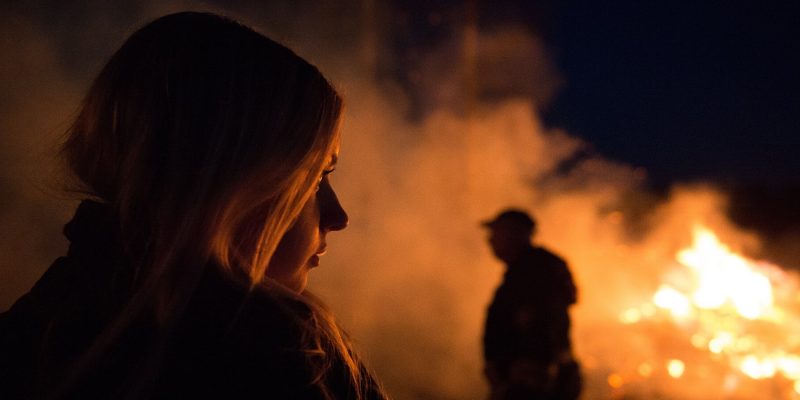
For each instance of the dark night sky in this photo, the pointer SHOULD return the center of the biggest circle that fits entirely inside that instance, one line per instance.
(691, 91)
(687, 90)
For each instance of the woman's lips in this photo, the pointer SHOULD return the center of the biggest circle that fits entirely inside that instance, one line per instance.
(314, 260)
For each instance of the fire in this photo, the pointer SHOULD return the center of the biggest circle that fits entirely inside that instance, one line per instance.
(743, 314)
(724, 277)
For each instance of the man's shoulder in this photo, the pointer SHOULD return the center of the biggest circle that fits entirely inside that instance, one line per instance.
(545, 256)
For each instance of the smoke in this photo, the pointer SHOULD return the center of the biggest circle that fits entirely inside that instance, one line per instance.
(412, 276)
(36, 99)
(416, 194)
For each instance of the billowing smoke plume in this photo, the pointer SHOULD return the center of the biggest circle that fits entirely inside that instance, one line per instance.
(412, 276)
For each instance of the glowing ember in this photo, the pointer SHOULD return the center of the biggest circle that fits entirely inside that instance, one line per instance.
(615, 381)
(721, 316)
(645, 369)
(675, 368)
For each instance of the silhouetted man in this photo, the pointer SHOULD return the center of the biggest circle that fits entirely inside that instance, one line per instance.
(526, 341)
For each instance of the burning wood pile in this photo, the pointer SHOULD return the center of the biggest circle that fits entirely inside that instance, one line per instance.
(720, 325)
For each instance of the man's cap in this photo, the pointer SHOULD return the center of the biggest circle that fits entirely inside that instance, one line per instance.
(511, 218)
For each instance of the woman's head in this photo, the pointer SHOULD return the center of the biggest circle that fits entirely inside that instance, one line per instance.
(214, 146)
(210, 140)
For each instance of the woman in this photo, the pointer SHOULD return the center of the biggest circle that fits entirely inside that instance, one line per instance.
(206, 151)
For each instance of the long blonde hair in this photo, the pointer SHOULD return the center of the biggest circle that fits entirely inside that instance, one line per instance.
(206, 138)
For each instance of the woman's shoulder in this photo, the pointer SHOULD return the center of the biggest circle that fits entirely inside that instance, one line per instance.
(261, 318)
(239, 340)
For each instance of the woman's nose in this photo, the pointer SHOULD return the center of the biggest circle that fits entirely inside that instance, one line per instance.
(333, 217)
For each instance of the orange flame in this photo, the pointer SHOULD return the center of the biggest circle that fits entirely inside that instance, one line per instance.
(741, 311)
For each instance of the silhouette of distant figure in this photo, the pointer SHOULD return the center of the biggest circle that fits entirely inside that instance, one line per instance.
(526, 340)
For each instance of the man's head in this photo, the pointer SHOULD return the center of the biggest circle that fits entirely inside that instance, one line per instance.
(510, 233)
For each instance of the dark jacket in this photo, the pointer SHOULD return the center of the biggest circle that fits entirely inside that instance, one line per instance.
(229, 342)
(528, 317)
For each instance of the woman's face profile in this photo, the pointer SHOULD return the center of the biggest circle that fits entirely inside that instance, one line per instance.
(304, 243)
